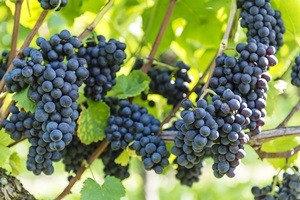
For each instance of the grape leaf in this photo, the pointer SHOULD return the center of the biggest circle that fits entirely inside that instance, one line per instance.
(71, 11)
(92, 122)
(4, 138)
(131, 85)
(23, 101)
(92, 5)
(111, 189)
(124, 158)
(29, 13)
(15, 163)
(4, 154)
(281, 145)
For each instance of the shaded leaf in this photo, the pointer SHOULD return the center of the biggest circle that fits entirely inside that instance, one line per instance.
(129, 86)
(23, 101)
(15, 163)
(124, 158)
(4, 154)
(5, 139)
(111, 189)
(92, 122)
(281, 145)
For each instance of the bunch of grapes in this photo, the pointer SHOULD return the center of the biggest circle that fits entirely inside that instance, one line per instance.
(75, 154)
(296, 72)
(53, 4)
(3, 63)
(111, 168)
(171, 84)
(19, 123)
(287, 187)
(252, 79)
(190, 176)
(22, 74)
(196, 131)
(129, 122)
(104, 59)
(247, 77)
(263, 23)
(153, 151)
(231, 116)
(53, 74)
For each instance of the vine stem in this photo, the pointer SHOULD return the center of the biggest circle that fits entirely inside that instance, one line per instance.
(146, 67)
(25, 44)
(224, 42)
(283, 154)
(209, 70)
(97, 19)
(79, 173)
(258, 140)
(17, 16)
(290, 115)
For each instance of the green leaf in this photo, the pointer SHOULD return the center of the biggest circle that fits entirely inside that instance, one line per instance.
(129, 86)
(281, 145)
(15, 163)
(5, 139)
(23, 101)
(71, 11)
(81, 98)
(92, 5)
(92, 122)
(275, 89)
(111, 189)
(31, 11)
(91, 190)
(124, 158)
(4, 154)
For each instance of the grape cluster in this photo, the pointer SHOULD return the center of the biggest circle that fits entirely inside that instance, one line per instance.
(231, 116)
(296, 72)
(75, 153)
(104, 59)
(53, 74)
(19, 123)
(171, 84)
(263, 23)
(129, 122)
(254, 61)
(153, 151)
(189, 176)
(197, 130)
(3, 63)
(173, 87)
(53, 4)
(247, 77)
(287, 188)
(110, 167)
(22, 74)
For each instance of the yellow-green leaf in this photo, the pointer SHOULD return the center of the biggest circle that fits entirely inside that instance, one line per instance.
(281, 145)
(92, 122)
(15, 163)
(23, 101)
(129, 86)
(124, 158)
(4, 154)
(5, 139)
(111, 189)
